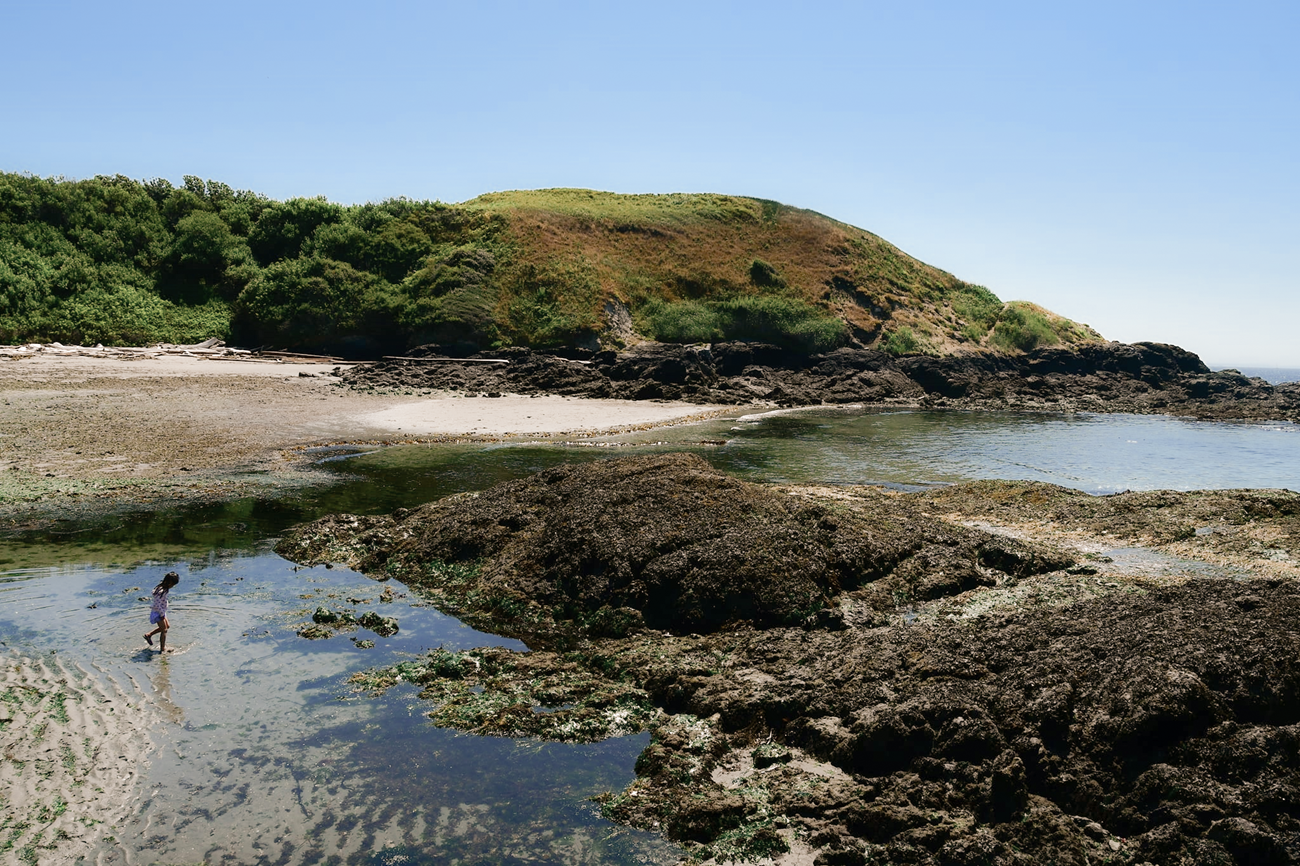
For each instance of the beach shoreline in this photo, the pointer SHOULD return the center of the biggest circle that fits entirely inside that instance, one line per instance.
(82, 435)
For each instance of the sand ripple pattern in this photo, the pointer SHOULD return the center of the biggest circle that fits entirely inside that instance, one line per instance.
(74, 752)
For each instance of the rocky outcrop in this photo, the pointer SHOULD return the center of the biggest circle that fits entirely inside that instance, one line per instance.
(1098, 377)
(864, 676)
(668, 543)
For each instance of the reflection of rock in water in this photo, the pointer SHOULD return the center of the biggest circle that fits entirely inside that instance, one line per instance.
(74, 748)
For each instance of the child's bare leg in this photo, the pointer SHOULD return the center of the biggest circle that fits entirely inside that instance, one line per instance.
(163, 625)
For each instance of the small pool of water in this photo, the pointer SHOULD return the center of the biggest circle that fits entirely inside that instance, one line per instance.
(1089, 452)
(907, 450)
(265, 755)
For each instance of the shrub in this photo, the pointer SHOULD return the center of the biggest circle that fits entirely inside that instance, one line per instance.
(681, 322)
(206, 260)
(314, 303)
(25, 278)
(396, 249)
(454, 298)
(978, 306)
(131, 316)
(784, 321)
(902, 341)
(1021, 327)
(551, 304)
(787, 322)
(765, 276)
(283, 228)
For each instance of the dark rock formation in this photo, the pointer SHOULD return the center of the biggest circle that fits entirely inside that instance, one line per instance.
(1097, 377)
(766, 638)
(668, 542)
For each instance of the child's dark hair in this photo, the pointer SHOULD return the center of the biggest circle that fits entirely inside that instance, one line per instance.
(169, 580)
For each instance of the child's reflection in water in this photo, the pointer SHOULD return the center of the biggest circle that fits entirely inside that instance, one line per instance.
(162, 689)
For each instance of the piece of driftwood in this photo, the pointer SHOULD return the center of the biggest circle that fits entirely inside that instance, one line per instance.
(212, 348)
(448, 360)
(298, 356)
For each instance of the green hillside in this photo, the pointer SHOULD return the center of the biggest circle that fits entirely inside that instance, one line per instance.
(117, 261)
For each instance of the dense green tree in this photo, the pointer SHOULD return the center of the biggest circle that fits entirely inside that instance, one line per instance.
(397, 248)
(319, 304)
(342, 241)
(206, 260)
(283, 228)
(25, 278)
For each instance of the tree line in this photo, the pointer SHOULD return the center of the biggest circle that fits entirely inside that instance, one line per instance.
(115, 260)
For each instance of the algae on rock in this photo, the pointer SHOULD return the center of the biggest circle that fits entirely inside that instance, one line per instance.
(851, 675)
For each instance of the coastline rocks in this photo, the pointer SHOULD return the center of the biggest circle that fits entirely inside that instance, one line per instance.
(668, 543)
(1160, 727)
(919, 714)
(1096, 377)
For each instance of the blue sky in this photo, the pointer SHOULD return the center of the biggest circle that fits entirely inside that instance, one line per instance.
(1130, 165)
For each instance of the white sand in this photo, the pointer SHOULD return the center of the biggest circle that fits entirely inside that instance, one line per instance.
(515, 415)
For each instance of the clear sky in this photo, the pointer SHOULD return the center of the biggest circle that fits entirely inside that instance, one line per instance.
(1134, 165)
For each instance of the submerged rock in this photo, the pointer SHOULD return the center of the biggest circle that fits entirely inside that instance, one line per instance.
(384, 626)
(328, 622)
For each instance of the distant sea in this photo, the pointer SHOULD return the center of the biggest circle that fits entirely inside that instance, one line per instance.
(1272, 375)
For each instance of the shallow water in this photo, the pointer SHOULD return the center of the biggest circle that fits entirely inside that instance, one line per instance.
(265, 755)
(1090, 452)
(907, 450)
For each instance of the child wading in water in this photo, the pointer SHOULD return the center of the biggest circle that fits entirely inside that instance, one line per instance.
(158, 610)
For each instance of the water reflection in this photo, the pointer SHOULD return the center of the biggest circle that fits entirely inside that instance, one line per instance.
(161, 680)
(1094, 453)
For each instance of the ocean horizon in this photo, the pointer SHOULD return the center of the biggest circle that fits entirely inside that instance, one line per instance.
(1271, 375)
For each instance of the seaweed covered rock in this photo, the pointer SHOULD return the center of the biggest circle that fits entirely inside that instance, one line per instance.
(1159, 727)
(1006, 709)
(384, 626)
(669, 543)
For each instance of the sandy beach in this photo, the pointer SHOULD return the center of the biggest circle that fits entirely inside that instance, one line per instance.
(79, 427)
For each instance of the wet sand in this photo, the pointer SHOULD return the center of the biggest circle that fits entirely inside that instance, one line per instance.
(107, 430)
(74, 757)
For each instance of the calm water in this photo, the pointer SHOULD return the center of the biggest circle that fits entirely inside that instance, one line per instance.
(1272, 375)
(263, 753)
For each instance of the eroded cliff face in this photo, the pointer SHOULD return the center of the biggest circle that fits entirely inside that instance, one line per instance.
(1093, 377)
(855, 676)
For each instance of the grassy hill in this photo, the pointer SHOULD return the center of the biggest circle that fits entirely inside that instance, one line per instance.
(698, 267)
(115, 260)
